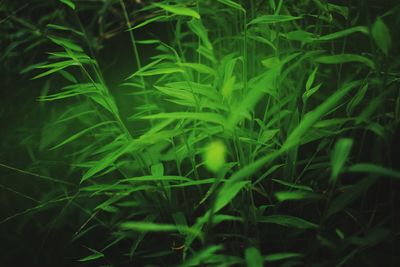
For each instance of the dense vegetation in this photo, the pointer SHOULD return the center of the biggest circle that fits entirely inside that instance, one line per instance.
(199, 133)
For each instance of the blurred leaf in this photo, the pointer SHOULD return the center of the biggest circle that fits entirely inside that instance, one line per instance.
(79, 134)
(227, 193)
(253, 257)
(295, 195)
(345, 58)
(343, 33)
(156, 227)
(350, 194)
(300, 35)
(374, 169)
(282, 256)
(200, 257)
(214, 156)
(315, 115)
(69, 3)
(288, 221)
(381, 35)
(339, 157)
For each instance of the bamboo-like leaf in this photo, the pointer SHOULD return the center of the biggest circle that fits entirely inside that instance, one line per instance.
(339, 157)
(271, 19)
(198, 28)
(79, 134)
(65, 43)
(345, 58)
(201, 256)
(351, 194)
(288, 221)
(69, 3)
(203, 116)
(227, 193)
(374, 169)
(179, 10)
(157, 227)
(63, 28)
(381, 35)
(96, 255)
(232, 4)
(282, 256)
(313, 116)
(343, 33)
(253, 257)
(295, 195)
(201, 68)
(148, 21)
(295, 186)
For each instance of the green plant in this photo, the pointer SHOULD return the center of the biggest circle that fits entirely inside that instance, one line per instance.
(255, 132)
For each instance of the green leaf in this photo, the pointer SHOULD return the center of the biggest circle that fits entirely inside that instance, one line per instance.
(67, 44)
(315, 115)
(201, 68)
(79, 134)
(148, 21)
(200, 256)
(381, 35)
(339, 157)
(311, 79)
(198, 28)
(201, 116)
(227, 193)
(340, 34)
(179, 10)
(96, 255)
(63, 28)
(374, 169)
(266, 83)
(358, 97)
(232, 4)
(253, 257)
(69, 3)
(345, 58)
(157, 227)
(282, 256)
(150, 178)
(294, 195)
(270, 19)
(107, 161)
(288, 221)
(350, 194)
(291, 185)
(160, 71)
(301, 36)
(270, 62)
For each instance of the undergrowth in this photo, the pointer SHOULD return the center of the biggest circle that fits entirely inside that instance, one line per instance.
(241, 133)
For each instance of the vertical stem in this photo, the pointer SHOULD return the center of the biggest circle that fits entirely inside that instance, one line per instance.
(134, 47)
